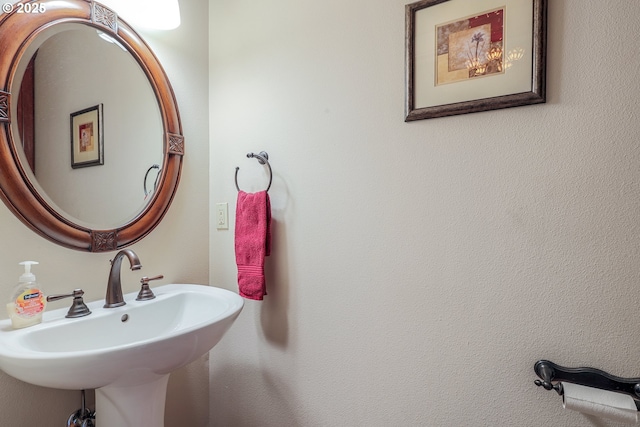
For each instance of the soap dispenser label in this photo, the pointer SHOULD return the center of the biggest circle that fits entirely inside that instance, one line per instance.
(29, 303)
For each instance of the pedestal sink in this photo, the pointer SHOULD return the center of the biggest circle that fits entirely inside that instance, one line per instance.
(125, 353)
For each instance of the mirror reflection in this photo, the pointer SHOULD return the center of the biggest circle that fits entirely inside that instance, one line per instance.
(68, 70)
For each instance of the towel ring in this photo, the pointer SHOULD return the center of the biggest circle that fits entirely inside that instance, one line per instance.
(155, 184)
(263, 159)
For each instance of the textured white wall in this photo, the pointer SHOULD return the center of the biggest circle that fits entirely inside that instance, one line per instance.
(177, 248)
(419, 270)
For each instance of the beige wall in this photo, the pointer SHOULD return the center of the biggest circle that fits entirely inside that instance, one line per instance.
(178, 248)
(419, 270)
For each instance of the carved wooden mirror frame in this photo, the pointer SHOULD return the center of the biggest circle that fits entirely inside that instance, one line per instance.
(17, 190)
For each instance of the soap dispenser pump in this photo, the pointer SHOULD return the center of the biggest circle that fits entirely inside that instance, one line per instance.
(27, 300)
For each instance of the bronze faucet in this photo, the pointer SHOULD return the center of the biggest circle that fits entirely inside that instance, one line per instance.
(114, 296)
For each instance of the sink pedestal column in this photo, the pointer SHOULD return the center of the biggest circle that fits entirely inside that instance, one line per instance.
(139, 405)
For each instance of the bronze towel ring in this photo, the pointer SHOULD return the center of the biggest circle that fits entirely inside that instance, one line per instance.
(263, 158)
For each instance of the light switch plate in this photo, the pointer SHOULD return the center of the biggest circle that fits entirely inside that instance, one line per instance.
(222, 216)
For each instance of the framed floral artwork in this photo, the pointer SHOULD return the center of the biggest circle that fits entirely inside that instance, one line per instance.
(468, 56)
(87, 145)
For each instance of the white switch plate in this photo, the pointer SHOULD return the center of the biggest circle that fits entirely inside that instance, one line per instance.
(222, 216)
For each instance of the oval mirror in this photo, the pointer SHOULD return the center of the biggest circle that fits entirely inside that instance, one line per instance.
(93, 158)
(114, 192)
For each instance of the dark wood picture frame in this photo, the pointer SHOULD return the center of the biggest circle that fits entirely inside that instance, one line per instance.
(87, 137)
(459, 57)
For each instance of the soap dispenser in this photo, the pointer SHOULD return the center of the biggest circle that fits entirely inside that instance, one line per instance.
(27, 300)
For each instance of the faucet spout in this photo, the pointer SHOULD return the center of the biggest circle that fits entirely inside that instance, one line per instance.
(114, 296)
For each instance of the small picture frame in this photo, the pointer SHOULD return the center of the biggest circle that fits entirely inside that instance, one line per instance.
(466, 56)
(87, 141)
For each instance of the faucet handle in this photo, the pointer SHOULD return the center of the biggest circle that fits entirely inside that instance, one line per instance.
(78, 307)
(146, 293)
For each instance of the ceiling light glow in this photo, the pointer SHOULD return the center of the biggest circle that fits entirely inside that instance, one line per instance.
(151, 14)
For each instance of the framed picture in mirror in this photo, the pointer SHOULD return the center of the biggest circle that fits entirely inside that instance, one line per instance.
(87, 141)
(464, 57)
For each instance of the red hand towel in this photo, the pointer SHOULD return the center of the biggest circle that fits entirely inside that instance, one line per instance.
(252, 242)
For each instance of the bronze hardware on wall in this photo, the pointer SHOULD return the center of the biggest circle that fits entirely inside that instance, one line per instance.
(263, 158)
(155, 183)
(551, 376)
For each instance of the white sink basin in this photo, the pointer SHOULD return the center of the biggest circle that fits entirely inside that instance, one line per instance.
(127, 347)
